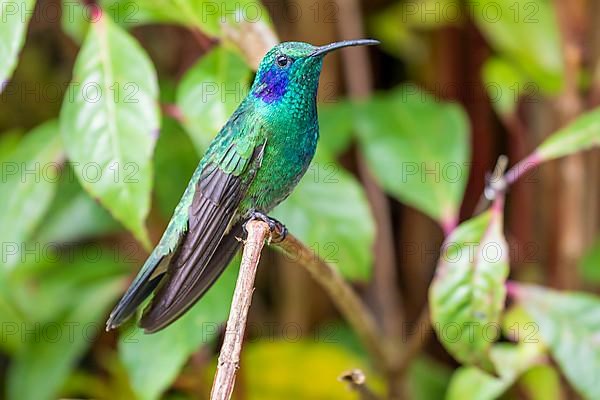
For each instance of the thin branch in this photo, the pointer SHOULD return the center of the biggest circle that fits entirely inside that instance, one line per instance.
(358, 76)
(522, 167)
(173, 111)
(416, 342)
(357, 381)
(229, 359)
(204, 41)
(495, 182)
(343, 296)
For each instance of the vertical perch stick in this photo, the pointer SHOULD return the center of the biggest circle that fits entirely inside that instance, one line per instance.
(229, 359)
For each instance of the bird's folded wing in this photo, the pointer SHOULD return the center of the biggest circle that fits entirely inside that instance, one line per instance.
(211, 241)
(190, 256)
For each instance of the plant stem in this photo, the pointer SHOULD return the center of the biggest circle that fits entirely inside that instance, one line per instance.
(358, 77)
(358, 383)
(342, 295)
(522, 167)
(229, 359)
(416, 342)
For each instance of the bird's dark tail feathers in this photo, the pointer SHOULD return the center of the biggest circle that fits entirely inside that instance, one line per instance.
(140, 289)
(162, 311)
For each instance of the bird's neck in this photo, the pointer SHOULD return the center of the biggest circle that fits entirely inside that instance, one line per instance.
(297, 108)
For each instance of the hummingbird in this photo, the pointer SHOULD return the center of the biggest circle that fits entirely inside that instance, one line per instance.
(251, 165)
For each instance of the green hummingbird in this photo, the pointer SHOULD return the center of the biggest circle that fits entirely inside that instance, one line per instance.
(252, 165)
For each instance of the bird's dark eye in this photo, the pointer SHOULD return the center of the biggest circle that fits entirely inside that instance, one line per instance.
(283, 61)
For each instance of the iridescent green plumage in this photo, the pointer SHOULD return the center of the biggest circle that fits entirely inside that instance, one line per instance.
(252, 165)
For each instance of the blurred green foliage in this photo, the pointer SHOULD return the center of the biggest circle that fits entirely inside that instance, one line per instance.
(60, 274)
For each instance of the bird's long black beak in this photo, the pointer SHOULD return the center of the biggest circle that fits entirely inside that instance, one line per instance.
(345, 43)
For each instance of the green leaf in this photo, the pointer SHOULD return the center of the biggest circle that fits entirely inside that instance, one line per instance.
(209, 17)
(427, 379)
(209, 93)
(336, 126)
(10, 320)
(510, 362)
(527, 34)
(109, 122)
(474, 384)
(590, 264)
(9, 142)
(402, 26)
(569, 324)
(15, 17)
(154, 361)
(174, 163)
(329, 212)
(29, 176)
(75, 19)
(243, 23)
(581, 134)
(505, 84)
(467, 294)
(418, 149)
(518, 326)
(74, 215)
(541, 382)
(271, 370)
(53, 344)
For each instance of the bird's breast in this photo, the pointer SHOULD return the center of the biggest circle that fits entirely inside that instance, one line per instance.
(288, 154)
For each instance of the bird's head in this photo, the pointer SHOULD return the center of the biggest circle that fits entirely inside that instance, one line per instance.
(293, 69)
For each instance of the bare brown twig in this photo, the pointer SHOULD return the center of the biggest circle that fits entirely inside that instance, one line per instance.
(229, 359)
(360, 85)
(345, 299)
(342, 295)
(416, 342)
(357, 381)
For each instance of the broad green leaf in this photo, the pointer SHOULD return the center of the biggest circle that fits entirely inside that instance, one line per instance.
(174, 163)
(518, 326)
(271, 370)
(53, 344)
(474, 384)
(243, 23)
(74, 215)
(15, 16)
(29, 177)
(10, 320)
(130, 13)
(207, 16)
(8, 143)
(329, 212)
(510, 362)
(526, 33)
(39, 287)
(109, 122)
(589, 266)
(505, 84)
(75, 19)
(581, 134)
(336, 126)
(467, 294)
(154, 361)
(541, 382)
(418, 149)
(400, 27)
(427, 379)
(209, 92)
(112, 383)
(396, 39)
(569, 324)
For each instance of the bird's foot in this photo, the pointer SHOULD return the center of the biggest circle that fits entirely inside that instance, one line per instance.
(278, 230)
